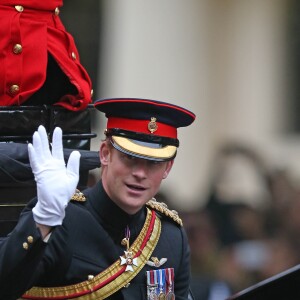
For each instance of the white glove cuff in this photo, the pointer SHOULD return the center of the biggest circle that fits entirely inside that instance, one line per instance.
(47, 216)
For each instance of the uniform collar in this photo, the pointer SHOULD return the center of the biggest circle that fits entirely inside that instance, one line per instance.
(112, 217)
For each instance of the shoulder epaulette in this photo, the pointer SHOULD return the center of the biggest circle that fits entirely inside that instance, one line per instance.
(78, 197)
(163, 209)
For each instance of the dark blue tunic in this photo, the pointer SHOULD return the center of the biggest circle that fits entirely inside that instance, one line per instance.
(88, 242)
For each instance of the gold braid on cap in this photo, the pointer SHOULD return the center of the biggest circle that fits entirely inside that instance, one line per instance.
(163, 209)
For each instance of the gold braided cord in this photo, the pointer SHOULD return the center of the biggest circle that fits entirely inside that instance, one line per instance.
(74, 291)
(163, 208)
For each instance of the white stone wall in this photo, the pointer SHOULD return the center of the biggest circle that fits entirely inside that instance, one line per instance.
(221, 59)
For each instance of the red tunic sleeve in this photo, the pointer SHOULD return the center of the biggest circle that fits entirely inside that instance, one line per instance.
(29, 31)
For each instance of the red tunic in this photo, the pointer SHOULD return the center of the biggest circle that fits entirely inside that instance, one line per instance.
(29, 30)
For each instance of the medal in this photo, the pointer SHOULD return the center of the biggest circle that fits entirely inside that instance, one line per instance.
(161, 295)
(128, 260)
(170, 296)
(151, 285)
(160, 284)
(170, 282)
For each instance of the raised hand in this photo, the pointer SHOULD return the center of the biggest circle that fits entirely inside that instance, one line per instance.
(56, 182)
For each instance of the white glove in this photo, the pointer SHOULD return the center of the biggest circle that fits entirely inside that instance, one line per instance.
(56, 183)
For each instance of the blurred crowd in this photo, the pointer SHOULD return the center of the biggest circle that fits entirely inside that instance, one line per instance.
(248, 229)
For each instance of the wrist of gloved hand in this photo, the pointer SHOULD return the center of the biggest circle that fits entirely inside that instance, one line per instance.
(47, 216)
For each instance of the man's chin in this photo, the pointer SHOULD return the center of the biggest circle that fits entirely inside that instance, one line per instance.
(132, 206)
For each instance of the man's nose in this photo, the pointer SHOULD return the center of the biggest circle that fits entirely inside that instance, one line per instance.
(140, 169)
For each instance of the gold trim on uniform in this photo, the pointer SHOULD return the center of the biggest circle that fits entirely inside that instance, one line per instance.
(75, 290)
(78, 196)
(163, 208)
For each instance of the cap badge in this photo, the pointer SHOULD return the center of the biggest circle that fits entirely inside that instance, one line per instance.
(152, 126)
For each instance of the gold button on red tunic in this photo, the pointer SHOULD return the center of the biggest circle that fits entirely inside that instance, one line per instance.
(56, 11)
(14, 89)
(19, 8)
(17, 49)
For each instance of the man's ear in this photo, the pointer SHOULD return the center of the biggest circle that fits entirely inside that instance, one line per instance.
(104, 153)
(168, 168)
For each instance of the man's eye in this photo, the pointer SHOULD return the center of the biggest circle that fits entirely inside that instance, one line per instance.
(154, 162)
(129, 157)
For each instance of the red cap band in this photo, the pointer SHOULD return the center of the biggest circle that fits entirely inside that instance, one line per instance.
(142, 126)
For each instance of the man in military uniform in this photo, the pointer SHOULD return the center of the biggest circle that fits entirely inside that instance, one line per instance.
(113, 240)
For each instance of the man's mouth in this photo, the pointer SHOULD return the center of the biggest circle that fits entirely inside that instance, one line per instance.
(135, 187)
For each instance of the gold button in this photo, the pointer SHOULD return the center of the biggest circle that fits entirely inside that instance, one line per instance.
(90, 277)
(56, 11)
(73, 55)
(30, 239)
(14, 89)
(19, 8)
(17, 49)
(25, 246)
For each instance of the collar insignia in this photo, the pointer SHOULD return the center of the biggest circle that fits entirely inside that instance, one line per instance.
(155, 262)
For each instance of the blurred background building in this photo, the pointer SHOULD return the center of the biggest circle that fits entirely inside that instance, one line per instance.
(236, 64)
